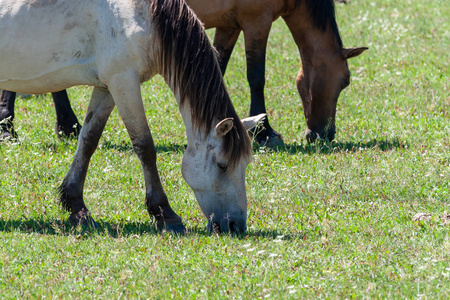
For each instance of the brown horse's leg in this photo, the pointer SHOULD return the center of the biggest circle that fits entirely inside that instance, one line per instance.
(126, 93)
(71, 189)
(7, 100)
(66, 121)
(224, 41)
(255, 50)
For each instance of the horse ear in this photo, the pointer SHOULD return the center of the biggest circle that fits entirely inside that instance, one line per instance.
(251, 122)
(223, 127)
(353, 52)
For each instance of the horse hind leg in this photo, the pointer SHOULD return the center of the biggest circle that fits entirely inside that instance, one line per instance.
(7, 101)
(71, 190)
(126, 92)
(67, 124)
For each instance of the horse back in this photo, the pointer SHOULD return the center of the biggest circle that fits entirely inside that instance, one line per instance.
(48, 45)
(238, 13)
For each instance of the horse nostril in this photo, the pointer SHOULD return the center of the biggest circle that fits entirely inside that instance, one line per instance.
(225, 226)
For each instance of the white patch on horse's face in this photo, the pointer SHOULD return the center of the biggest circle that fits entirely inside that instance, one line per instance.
(219, 192)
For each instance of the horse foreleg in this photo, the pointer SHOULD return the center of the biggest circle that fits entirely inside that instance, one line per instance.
(224, 41)
(71, 190)
(7, 100)
(255, 51)
(126, 93)
(66, 121)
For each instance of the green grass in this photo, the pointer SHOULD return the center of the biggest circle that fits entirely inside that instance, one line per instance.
(329, 220)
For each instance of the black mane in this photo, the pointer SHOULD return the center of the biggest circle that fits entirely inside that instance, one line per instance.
(323, 14)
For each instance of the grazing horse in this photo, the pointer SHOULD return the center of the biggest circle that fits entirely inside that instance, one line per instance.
(324, 71)
(114, 46)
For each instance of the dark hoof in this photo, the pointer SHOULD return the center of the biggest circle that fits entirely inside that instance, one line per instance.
(177, 228)
(64, 131)
(84, 219)
(173, 226)
(273, 141)
(7, 133)
(6, 136)
(269, 139)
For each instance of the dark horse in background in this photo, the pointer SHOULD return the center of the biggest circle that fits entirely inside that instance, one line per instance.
(67, 124)
(323, 74)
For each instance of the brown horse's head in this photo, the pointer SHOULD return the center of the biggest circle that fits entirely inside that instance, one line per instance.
(319, 82)
(324, 72)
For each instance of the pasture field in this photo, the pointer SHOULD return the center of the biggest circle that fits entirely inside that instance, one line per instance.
(327, 220)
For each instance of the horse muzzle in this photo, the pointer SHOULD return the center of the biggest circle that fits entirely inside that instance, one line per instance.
(320, 134)
(226, 225)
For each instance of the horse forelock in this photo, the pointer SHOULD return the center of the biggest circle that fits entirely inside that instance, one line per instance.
(323, 14)
(190, 63)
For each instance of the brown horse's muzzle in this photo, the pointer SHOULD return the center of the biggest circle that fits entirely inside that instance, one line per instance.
(327, 133)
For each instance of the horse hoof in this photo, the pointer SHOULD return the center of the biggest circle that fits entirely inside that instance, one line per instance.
(274, 141)
(7, 135)
(63, 131)
(84, 219)
(175, 228)
(271, 139)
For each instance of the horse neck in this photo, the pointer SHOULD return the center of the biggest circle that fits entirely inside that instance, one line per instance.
(194, 134)
(312, 42)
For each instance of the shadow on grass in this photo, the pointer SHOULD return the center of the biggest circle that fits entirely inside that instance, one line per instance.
(327, 147)
(319, 147)
(119, 230)
(122, 147)
(160, 148)
(64, 228)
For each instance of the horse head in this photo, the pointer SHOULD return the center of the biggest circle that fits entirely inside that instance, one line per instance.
(218, 180)
(319, 83)
(324, 72)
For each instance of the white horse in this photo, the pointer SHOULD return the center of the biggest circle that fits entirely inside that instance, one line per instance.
(114, 45)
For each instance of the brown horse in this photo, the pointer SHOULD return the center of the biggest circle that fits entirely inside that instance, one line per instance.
(324, 71)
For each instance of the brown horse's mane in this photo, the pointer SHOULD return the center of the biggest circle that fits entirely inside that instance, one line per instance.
(323, 14)
(191, 61)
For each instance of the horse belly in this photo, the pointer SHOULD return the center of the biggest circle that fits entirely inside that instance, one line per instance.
(51, 82)
(236, 13)
(214, 13)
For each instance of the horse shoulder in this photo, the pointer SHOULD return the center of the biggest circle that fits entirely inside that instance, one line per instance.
(126, 44)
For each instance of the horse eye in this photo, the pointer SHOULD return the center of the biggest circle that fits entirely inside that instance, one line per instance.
(222, 167)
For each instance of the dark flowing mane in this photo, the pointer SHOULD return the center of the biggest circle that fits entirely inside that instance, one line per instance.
(191, 61)
(323, 14)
